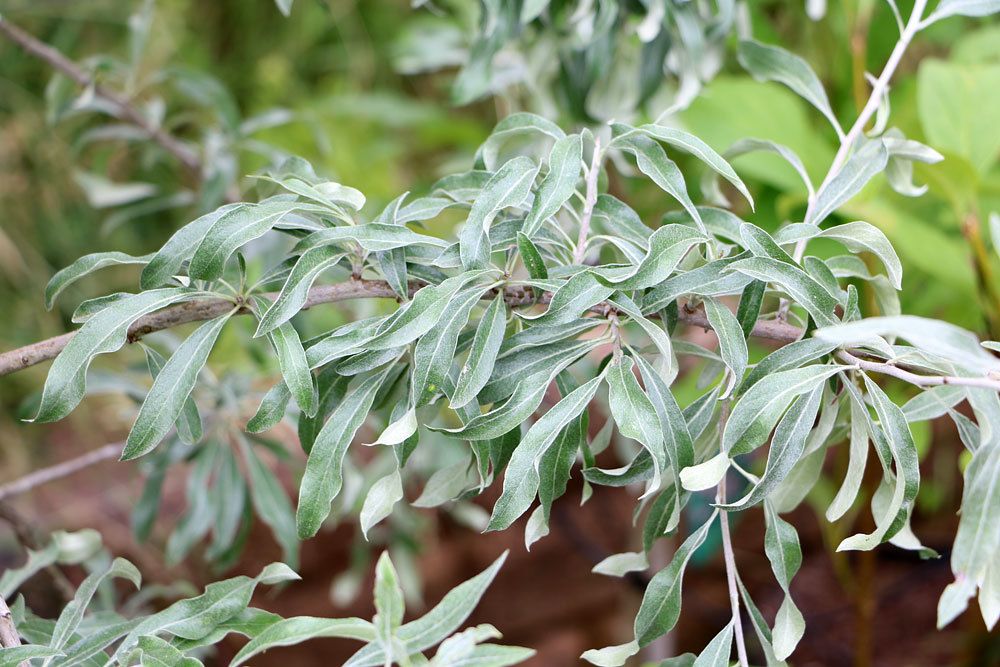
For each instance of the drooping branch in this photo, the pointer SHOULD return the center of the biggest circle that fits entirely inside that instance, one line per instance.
(206, 309)
(123, 107)
(60, 470)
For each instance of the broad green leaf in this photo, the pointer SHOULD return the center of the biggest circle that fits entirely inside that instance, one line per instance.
(521, 480)
(508, 187)
(298, 629)
(295, 291)
(795, 282)
(787, 446)
(323, 477)
(652, 160)
(732, 344)
(866, 162)
(85, 266)
(438, 623)
(179, 248)
(763, 404)
(661, 603)
(749, 308)
(105, 332)
(381, 498)
(374, 237)
(772, 63)
(434, 353)
(486, 344)
(165, 401)
(559, 183)
(271, 503)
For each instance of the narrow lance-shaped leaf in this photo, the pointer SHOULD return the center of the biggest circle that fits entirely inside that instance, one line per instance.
(374, 236)
(634, 414)
(85, 266)
(732, 344)
(171, 389)
(857, 461)
(781, 544)
(434, 353)
(271, 409)
(521, 479)
(531, 257)
(486, 344)
(667, 247)
(298, 629)
(559, 183)
(294, 367)
(772, 63)
(189, 423)
(440, 622)
(509, 186)
(795, 282)
(323, 477)
(382, 497)
(867, 161)
(295, 291)
(572, 299)
(661, 603)
(389, 604)
(72, 614)
(271, 504)
(104, 332)
(179, 248)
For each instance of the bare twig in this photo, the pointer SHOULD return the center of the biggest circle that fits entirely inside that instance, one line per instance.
(123, 107)
(913, 378)
(64, 469)
(588, 204)
(878, 90)
(8, 633)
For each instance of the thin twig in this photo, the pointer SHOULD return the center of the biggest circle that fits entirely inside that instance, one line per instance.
(913, 378)
(588, 204)
(123, 107)
(8, 633)
(878, 90)
(734, 597)
(64, 469)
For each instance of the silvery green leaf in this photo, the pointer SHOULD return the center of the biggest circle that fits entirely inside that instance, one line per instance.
(15, 656)
(711, 279)
(400, 429)
(716, 652)
(271, 410)
(781, 544)
(618, 565)
(284, 6)
(438, 623)
(424, 208)
(617, 218)
(569, 302)
(298, 629)
(518, 123)
(795, 282)
(867, 161)
(463, 187)
(761, 406)
(749, 307)
(179, 248)
(295, 291)
(635, 415)
(559, 183)
(194, 618)
(381, 498)
(556, 464)
(511, 369)
(170, 391)
(894, 434)
(271, 504)
(389, 604)
(667, 363)
(858, 237)
(661, 603)
(611, 656)
(523, 402)
(707, 474)
(531, 257)
(478, 367)
(947, 8)
(330, 195)
(85, 266)
(434, 353)
(105, 332)
(732, 344)
(323, 477)
(759, 626)
(230, 231)
(521, 480)
(151, 651)
(652, 160)
(760, 243)
(821, 273)
(72, 614)
(507, 187)
(744, 146)
(445, 484)
(857, 461)
(933, 402)
(698, 148)
(772, 63)
(374, 237)
(419, 315)
(789, 356)
(342, 342)
(91, 307)
(667, 247)
(189, 422)
(294, 367)
(932, 336)
(787, 446)
(536, 336)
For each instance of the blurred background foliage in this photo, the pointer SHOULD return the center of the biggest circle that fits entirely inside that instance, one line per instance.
(364, 90)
